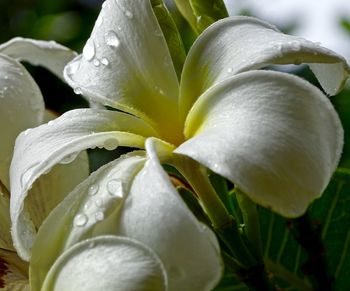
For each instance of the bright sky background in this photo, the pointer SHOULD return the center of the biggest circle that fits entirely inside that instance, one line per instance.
(318, 20)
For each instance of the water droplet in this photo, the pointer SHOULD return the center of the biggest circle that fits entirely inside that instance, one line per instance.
(69, 158)
(99, 216)
(80, 219)
(99, 202)
(87, 204)
(112, 39)
(96, 63)
(111, 144)
(89, 50)
(115, 188)
(105, 61)
(6, 77)
(159, 90)
(93, 189)
(72, 68)
(229, 70)
(77, 90)
(128, 14)
(119, 28)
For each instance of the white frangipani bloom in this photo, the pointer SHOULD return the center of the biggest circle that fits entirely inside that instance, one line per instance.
(274, 135)
(21, 108)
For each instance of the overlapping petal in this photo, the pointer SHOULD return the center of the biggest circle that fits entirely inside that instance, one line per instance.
(275, 136)
(21, 106)
(47, 54)
(155, 214)
(126, 68)
(119, 263)
(134, 199)
(60, 141)
(238, 44)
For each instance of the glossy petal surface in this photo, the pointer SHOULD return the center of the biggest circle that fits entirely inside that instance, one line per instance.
(128, 68)
(118, 264)
(60, 141)
(47, 54)
(238, 44)
(21, 107)
(274, 135)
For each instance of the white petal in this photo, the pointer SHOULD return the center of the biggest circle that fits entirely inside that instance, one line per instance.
(90, 209)
(238, 44)
(60, 141)
(126, 64)
(107, 263)
(274, 135)
(47, 54)
(155, 214)
(21, 106)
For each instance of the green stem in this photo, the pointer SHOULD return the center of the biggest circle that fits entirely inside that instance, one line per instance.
(223, 223)
(251, 223)
(287, 276)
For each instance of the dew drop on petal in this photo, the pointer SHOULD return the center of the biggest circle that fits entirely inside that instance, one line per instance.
(96, 63)
(111, 144)
(69, 158)
(80, 219)
(128, 14)
(115, 188)
(99, 202)
(89, 50)
(99, 216)
(112, 39)
(93, 189)
(229, 70)
(105, 61)
(77, 90)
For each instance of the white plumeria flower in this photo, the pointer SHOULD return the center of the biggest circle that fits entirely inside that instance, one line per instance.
(22, 107)
(272, 134)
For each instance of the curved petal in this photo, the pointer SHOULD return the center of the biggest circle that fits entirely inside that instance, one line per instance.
(126, 64)
(59, 141)
(21, 106)
(155, 214)
(90, 209)
(47, 54)
(238, 44)
(13, 272)
(107, 263)
(274, 135)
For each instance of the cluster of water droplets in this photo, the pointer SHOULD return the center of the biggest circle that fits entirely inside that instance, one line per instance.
(114, 189)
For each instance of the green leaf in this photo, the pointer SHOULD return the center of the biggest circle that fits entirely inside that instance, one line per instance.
(201, 13)
(330, 219)
(171, 34)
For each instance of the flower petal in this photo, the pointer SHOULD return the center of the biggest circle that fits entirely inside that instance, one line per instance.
(90, 209)
(238, 44)
(155, 214)
(107, 263)
(13, 272)
(274, 135)
(59, 141)
(21, 106)
(47, 54)
(128, 67)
